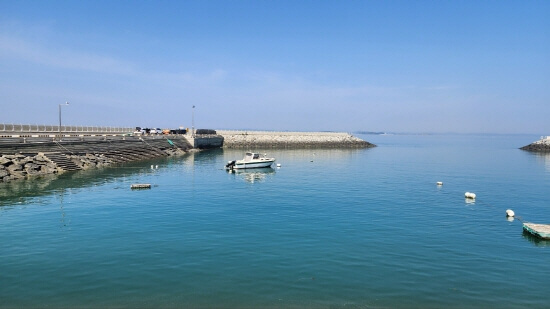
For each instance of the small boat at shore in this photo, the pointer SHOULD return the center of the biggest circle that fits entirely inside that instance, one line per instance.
(250, 160)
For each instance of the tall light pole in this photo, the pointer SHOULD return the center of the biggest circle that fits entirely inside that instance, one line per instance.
(193, 122)
(66, 103)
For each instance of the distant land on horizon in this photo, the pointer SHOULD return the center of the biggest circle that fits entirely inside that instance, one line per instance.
(436, 133)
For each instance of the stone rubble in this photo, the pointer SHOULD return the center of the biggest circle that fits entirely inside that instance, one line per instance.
(14, 167)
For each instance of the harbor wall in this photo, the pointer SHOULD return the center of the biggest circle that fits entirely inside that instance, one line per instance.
(25, 155)
(36, 157)
(271, 139)
(206, 141)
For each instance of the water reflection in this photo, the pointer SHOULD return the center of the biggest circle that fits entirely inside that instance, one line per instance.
(539, 242)
(253, 175)
(542, 158)
(27, 191)
(470, 201)
(22, 191)
(63, 221)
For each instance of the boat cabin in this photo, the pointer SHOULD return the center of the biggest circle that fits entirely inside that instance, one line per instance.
(249, 156)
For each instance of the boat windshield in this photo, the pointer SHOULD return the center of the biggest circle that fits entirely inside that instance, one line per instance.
(249, 156)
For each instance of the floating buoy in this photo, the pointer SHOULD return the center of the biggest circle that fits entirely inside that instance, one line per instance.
(141, 186)
(152, 167)
(510, 213)
(470, 195)
(156, 167)
(278, 164)
(439, 183)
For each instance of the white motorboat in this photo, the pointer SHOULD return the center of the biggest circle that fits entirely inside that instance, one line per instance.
(250, 160)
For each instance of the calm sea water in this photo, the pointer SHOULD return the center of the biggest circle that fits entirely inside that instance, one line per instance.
(364, 228)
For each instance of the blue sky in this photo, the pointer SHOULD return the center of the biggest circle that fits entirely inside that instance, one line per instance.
(400, 66)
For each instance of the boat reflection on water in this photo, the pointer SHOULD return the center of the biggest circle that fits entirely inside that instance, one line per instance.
(253, 175)
(539, 242)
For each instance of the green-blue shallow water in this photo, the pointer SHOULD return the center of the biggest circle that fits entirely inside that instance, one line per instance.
(364, 228)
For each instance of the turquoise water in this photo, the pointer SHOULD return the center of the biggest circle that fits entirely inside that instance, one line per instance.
(364, 228)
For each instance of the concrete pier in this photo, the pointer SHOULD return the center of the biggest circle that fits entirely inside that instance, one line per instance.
(272, 139)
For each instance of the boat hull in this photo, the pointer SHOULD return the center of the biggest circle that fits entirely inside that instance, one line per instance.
(258, 164)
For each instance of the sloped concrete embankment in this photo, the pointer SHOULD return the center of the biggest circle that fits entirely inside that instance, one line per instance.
(18, 161)
(266, 139)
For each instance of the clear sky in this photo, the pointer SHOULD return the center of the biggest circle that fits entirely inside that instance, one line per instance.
(398, 66)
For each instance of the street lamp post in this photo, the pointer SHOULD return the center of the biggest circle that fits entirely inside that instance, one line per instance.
(193, 122)
(66, 103)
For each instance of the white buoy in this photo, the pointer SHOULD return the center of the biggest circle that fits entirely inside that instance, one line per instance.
(278, 164)
(439, 183)
(470, 195)
(156, 166)
(510, 213)
(152, 167)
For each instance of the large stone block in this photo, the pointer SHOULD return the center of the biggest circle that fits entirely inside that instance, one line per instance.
(18, 175)
(32, 172)
(15, 167)
(5, 161)
(40, 158)
(45, 169)
(31, 166)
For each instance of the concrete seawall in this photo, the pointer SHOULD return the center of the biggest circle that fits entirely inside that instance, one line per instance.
(269, 139)
(37, 157)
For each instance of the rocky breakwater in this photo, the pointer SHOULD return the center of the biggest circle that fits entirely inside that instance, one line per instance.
(19, 166)
(542, 145)
(36, 159)
(268, 139)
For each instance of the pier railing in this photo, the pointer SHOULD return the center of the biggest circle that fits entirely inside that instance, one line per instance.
(41, 128)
